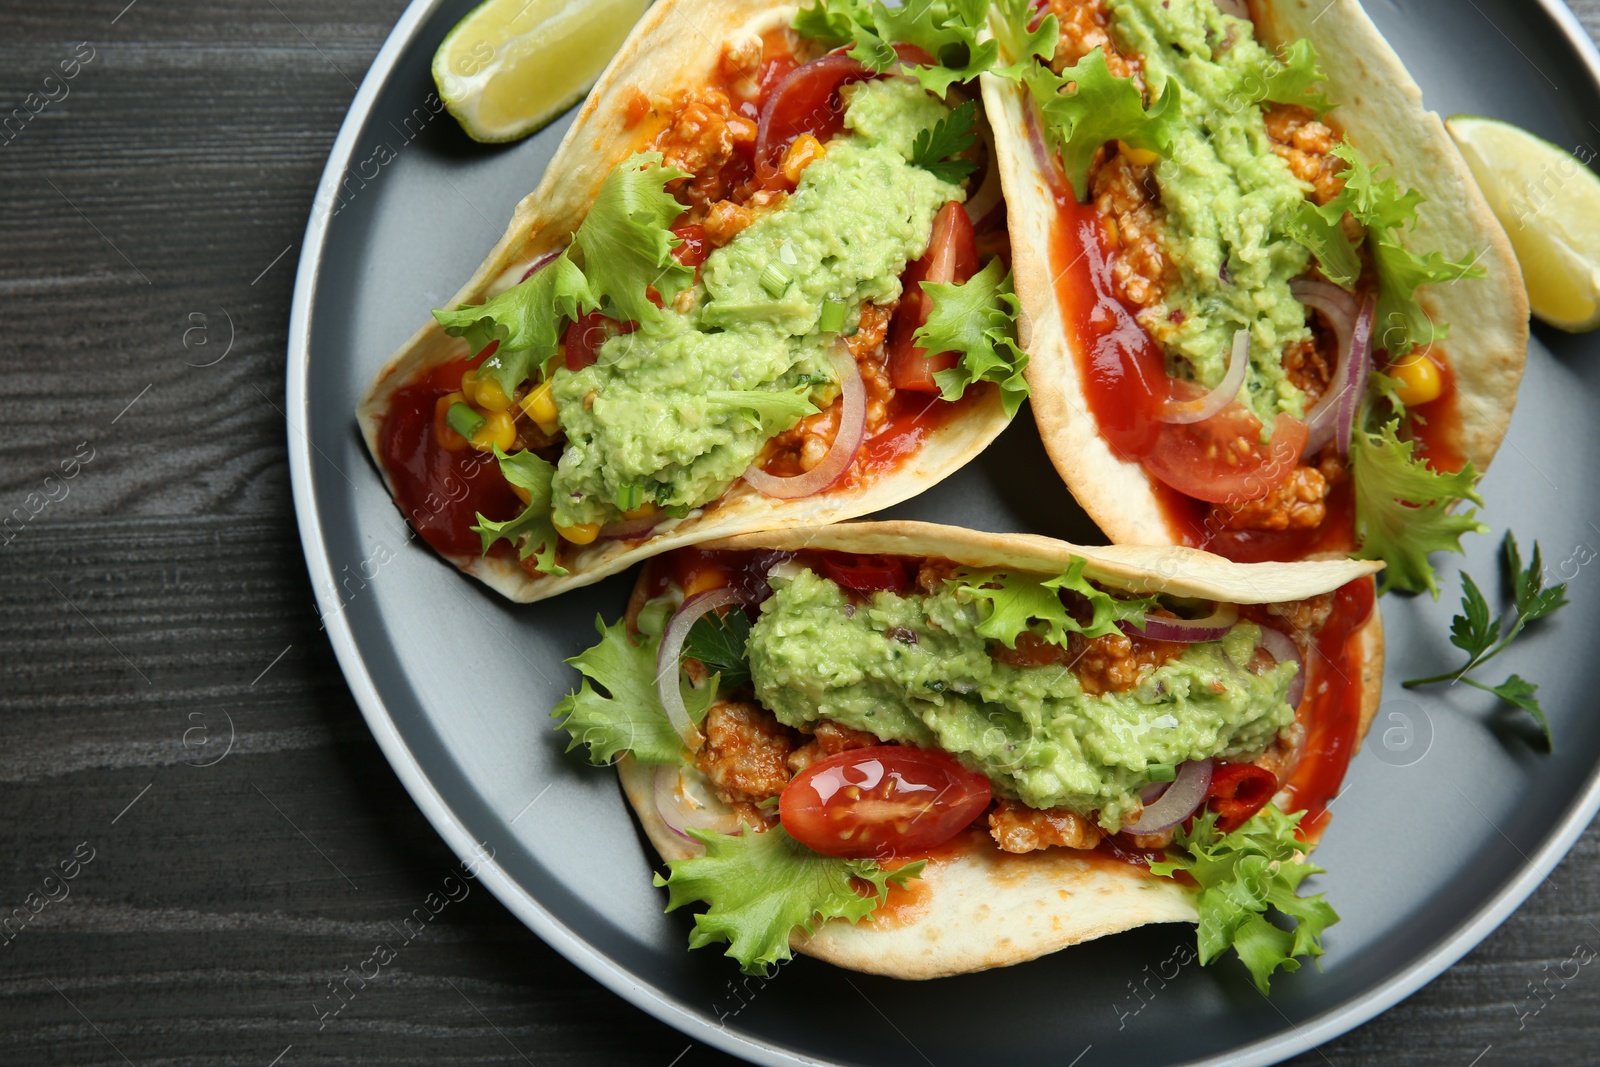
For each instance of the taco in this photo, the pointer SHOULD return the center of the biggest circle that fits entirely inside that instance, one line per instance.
(1269, 311)
(919, 751)
(757, 286)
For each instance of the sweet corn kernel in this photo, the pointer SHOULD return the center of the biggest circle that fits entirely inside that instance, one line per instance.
(540, 406)
(1420, 380)
(805, 151)
(489, 396)
(499, 431)
(582, 534)
(1140, 157)
(647, 510)
(443, 432)
(523, 495)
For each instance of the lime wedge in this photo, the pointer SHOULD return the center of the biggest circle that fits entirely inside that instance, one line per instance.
(511, 66)
(1549, 202)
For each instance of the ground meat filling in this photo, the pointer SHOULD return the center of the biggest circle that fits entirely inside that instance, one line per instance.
(746, 752)
(830, 739)
(1018, 828)
(1110, 664)
(1307, 146)
(801, 448)
(1085, 26)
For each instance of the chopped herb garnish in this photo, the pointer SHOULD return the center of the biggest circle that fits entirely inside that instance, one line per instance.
(1162, 772)
(832, 320)
(718, 642)
(463, 420)
(1482, 636)
(775, 280)
(948, 137)
(630, 497)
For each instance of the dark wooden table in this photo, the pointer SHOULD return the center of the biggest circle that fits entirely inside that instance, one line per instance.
(156, 601)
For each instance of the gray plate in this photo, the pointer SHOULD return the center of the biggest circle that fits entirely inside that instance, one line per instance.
(1450, 819)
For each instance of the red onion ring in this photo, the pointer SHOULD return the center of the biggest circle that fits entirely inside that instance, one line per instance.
(1237, 8)
(1201, 408)
(1213, 627)
(542, 262)
(1328, 418)
(1355, 390)
(683, 813)
(671, 651)
(986, 205)
(1178, 802)
(1281, 647)
(846, 443)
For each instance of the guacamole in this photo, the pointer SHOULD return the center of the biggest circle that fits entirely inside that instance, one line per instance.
(914, 669)
(1228, 201)
(675, 413)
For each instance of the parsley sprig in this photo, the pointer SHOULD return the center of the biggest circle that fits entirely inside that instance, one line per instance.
(718, 642)
(1482, 636)
(950, 136)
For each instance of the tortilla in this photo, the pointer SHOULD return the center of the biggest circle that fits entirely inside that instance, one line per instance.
(1381, 113)
(982, 907)
(675, 46)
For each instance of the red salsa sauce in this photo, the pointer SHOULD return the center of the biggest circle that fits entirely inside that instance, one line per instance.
(1335, 688)
(441, 492)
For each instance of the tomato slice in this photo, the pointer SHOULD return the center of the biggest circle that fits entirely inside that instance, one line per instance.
(867, 574)
(883, 801)
(801, 100)
(806, 101)
(952, 256)
(694, 249)
(1238, 791)
(586, 335)
(1221, 460)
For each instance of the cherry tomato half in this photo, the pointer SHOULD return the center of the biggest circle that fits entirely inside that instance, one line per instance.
(1221, 460)
(586, 335)
(882, 801)
(952, 256)
(867, 574)
(1238, 791)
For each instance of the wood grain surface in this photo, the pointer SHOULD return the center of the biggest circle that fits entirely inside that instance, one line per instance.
(158, 603)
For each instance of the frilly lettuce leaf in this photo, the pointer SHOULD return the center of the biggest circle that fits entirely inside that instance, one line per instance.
(1403, 508)
(527, 320)
(1020, 44)
(1085, 106)
(1018, 602)
(977, 319)
(627, 246)
(774, 411)
(1293, 77)
(1386, 212)
(532, 531)
(626, 717)
(1243, 874)
(762, 886)
(945, 29)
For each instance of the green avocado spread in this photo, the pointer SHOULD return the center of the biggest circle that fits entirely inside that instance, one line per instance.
(914, 669)
(1227, 200)
(675, 413)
